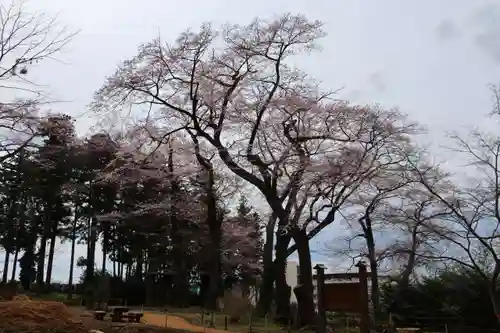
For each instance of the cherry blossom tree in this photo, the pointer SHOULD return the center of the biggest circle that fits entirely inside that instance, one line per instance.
(368, 143)
(233, 88)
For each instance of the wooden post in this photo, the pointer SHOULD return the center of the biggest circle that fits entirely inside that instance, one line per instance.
(364, 326)
(250, 326)
(320, 273)
(212, 322)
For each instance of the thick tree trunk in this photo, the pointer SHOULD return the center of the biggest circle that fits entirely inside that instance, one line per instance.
(48, 278)
(267, 285)
(405, 277)
(14, 264)
(404, 281)
(283, 290)
(181, 283)
(149, 282)
(366, 225)
(493, 293)
(5, 272)
(214, 223)
(215, 230)
(412, 259)
(307, 313)
(214, 271)
(375, 289)
(493, 290)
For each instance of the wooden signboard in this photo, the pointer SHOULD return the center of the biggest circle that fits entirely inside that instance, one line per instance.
(343, 297)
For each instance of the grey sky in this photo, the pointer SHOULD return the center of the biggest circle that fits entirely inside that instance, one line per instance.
(433, 59)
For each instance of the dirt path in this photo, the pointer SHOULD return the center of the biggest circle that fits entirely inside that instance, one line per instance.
(158, 319)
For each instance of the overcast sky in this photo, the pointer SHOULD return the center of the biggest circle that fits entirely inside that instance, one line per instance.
(432, 59)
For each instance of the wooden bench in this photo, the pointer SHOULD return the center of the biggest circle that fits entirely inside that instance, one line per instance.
(117, 313)
(133, 317)
(99, 315)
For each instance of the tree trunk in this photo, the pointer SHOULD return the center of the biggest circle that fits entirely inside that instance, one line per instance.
(127, 272)
(146, 261)
(215, 230)
(139, 266)
(105, 243)
(6, 267)
(307, 313)
(89, 276)
(149, 282)
(404, 281)
(48, 278)
(214, 223)
(91, 251)
(375, 289)
(283, 290)
(181, 277)
(26, 264)
(492, 291)
(40, 267)
(214, 271)
(104, 257)
(20, 232)
(267, 285)
(72, 258)
(412, 259)
(47, 223)
(14, 264)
